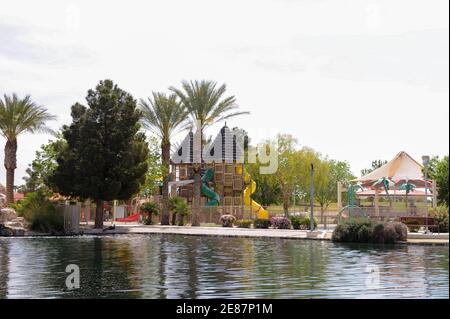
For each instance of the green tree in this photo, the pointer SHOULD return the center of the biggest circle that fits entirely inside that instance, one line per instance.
(43, 166)
(438, 171)
(330, 172)
(162, 115)
(106, 155)
(305, 157)
(206, 105)
(432, 167)
(287, 175)
(375, 164)
(154, 175)
(19, 116)
(442, 180)
(322, 189)
(151, 209)
(268, 191)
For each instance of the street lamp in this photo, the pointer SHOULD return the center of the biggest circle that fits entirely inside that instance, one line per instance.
(311, 198)
(425, 161)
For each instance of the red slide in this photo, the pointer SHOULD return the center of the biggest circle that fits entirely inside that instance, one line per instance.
(131, 218)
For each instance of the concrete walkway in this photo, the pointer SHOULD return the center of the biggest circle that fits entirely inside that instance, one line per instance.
(413, 238)
(213, 231)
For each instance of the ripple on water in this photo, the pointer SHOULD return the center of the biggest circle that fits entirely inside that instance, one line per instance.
(170, 266)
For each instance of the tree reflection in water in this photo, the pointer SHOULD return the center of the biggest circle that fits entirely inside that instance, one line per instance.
(4, 268)
(171, 266)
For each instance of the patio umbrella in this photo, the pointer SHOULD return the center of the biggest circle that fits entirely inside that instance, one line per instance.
(385, 183)
(408, 187)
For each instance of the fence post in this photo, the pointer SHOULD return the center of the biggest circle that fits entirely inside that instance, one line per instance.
(87, 211)
(339, 196)
(311, 198)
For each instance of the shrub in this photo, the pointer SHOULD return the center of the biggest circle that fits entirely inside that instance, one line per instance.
(244, 223)
(363, 234)
(362, 230)
(281, 223)
(353, 230)
(401, 230)
(227, 220)
(299, 222)
(440, 213)
(173, 203)
(151, 209)
(262, 223)
(182, 209)
(40, 212)
(383, 234)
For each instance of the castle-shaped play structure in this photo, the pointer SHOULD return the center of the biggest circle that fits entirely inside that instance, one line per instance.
(225, 182)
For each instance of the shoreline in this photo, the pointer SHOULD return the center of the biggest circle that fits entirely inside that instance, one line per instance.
(321, 235)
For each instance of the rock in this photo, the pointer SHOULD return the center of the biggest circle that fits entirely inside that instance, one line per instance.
(14, 224)
(7, 214)
(10, 224)
(7, 231)
(19, 220)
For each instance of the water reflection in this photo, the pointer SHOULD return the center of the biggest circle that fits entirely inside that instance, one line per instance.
(4, 268)
(167, 266)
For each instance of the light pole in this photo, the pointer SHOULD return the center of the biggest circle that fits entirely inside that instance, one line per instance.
(425, 161)
(311, 199)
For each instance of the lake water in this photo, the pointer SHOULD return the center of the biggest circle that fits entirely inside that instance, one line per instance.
(173, 266)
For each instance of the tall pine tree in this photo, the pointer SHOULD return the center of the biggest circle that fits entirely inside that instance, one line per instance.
(106, 154)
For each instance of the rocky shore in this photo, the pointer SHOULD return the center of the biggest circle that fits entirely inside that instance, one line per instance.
(11, 224)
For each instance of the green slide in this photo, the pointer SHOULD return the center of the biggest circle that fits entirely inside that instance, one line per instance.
(213, 197)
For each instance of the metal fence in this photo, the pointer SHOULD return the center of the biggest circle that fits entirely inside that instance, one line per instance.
(328, 218)
(385, 213)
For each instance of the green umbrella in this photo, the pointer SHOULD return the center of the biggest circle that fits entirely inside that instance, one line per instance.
(408, 187)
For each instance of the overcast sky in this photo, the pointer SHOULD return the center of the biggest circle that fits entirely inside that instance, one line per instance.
(355, 80)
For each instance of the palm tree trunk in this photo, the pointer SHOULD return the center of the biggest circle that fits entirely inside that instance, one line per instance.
(181, 220)
(10, 165)
(99, 214)
(174, 218)
(388, 196)
(197, 184)
(197, 195)
(165, 150)
(406, 201)
(286, 197)
(322, 210)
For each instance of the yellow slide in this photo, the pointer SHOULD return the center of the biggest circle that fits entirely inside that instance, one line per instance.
(254, 206)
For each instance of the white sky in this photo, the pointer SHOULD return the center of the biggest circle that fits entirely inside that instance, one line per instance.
(355, 80)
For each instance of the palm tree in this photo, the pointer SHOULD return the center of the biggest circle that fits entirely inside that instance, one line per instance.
(385, 183)
(206, 105)
(407, 187)
(19, 116)
(162, 115)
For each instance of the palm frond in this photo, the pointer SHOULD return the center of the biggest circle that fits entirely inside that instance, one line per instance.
(163, 114)
(205, 102)
(18, 116)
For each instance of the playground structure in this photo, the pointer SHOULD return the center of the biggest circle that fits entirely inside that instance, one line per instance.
(226, 186)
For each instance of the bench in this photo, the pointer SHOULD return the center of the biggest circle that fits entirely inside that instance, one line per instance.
(416, 221)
